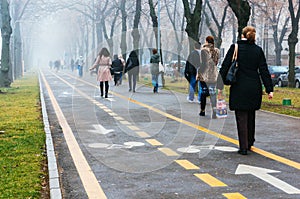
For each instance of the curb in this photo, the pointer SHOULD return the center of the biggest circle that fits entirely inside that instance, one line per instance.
(54, 185)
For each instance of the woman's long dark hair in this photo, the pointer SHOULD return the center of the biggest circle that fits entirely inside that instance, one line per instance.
(104, 51)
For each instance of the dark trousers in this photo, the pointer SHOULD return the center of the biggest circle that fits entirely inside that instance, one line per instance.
(245, 121)
(106, 88)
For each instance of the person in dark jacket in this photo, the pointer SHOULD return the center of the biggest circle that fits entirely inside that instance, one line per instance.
(117, 66)
(154, 68)
(246, 94)
(132, 67)
(190, 71)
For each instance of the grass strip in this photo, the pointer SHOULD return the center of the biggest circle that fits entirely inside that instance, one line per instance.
(22, 140)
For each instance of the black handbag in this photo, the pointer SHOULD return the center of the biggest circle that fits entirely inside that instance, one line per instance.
(233, 69)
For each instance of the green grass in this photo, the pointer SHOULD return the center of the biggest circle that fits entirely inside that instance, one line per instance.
(274, 105)
(22, 140)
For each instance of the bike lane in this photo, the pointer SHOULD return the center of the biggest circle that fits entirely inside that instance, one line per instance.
(202, 167)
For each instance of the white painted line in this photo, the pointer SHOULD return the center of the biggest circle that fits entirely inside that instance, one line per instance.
(89, 180)
(262, 174)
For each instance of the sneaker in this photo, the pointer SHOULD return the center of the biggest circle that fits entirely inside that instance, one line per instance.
(188, 99)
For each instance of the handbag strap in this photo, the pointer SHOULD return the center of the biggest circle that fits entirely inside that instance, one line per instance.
(235, 53)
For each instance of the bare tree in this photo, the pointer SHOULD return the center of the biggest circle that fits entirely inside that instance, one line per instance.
(241, 9)
(215, 31)
(179, 38)
(6, 31)
(273, 11)
(293, 40)
(192, 20)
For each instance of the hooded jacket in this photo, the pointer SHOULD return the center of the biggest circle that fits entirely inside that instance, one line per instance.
(154, 61)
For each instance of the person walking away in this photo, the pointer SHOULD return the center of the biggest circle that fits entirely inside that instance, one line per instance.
(245, 95)
(72, 64)
(154, 68)
(190, 70)
(117, 65)
(123, 70)
(80, 63)
(132, 67)
(57, 65)
(104, 62)
(207, 75)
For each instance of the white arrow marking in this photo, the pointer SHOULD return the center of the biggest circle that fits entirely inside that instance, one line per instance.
(101, 130)
(262, 174)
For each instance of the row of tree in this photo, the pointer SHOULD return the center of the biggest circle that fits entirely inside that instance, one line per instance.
(100, 20)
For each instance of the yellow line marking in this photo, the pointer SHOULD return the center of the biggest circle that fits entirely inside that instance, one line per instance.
(125, 122)
(118, 118)
(234, 196)
(168, 152)
(143, 134)
(134, 128)
(187, 164)
(89, 180)
(205, 130)
(112, 114)
(210, 180)
(154, 142)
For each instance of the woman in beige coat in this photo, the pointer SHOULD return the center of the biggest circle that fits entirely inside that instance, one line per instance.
(104, 62)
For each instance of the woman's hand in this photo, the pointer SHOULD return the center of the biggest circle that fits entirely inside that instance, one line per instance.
(270, 95)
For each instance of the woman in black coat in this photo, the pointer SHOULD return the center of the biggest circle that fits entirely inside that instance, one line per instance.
(246, 94)
(132, 67)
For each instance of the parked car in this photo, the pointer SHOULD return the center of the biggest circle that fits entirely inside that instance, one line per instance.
(283, 79)
(276, 71)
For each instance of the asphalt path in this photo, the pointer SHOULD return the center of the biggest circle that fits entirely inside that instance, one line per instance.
(143, 145)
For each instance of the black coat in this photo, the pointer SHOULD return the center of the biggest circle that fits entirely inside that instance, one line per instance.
(246, 94)
(132, 62)
(193, 62)
(117, 65)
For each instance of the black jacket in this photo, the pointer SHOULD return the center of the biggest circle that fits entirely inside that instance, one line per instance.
(193, 62)
(246, 93)
(132, 62)
(117, 65)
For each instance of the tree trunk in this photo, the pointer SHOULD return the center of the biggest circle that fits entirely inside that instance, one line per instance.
(6, 31)
(241, 9)
(193, 21)
(124, 29)
(292, 41)
(135, 33)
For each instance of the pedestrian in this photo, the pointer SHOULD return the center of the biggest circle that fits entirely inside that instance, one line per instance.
(80, 63)
(103, 77)
(123, 65)
(50, 65)
(117, 66)
(132, 67)
(154, 61)
(190, 70)
(246, 94)
(72, 64)
(207, 75)
(57, 65)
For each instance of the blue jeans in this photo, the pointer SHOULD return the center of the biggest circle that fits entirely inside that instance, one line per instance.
(192, 88)
(155, 82)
